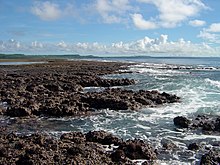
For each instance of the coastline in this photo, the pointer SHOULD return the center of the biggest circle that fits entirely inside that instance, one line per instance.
(40, 79)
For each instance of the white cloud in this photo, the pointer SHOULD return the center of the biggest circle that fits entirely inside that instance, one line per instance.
(140, 23)
(197, 23)
(145, 46)
(112, 11)
(174, 12)
(207, 36)
(36, 44)
(62, 44)
(215, 27)
(211, 33)
(47, 11)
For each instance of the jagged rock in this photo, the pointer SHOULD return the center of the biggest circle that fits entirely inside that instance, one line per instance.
(18, 111)
(208, 126)
(55, 89)
(118, 156)
(102, 137)
(168, 144)
(181, 122)
(71, 148)
(217, 124)
(76, 137)
(137, 149)
(193, 146)
(211, 158)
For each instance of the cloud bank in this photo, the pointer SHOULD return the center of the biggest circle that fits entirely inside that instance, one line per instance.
(145, 46)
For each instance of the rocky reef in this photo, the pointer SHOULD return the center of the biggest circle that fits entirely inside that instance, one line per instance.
(56, 89)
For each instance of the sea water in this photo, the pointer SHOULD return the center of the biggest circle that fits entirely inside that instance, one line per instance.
(195, 80)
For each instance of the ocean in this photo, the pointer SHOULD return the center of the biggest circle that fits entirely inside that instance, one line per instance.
(195, 80)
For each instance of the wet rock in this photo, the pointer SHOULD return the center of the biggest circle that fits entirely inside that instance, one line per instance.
(76, 137)
(193, 146)
(208, 126)
(211, 158)
(3, 152)
(137, 149)
(74, 151)
(118, 99)
(102, 137)
(110, 139)
(2, 110)
(118, 156)
(15, 111)
(169, 146)
(52, 87)
(55, 89)
(181, 122)
(217, 124)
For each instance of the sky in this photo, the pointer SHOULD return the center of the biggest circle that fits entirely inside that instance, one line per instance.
(111, 27)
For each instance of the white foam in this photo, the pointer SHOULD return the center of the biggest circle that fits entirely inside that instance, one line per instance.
(201, 137)
(155, 71)
(213, 82)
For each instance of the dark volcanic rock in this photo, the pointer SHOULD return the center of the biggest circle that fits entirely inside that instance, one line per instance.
(211, 158)
(205, 123)
(181, 122)
(55, 89)
(76, 137)
(136, 149)
(118, 156)
(217, 124)
(102, 137)
(119, 99)
(193, 146)
(71, 148)
(18, 111)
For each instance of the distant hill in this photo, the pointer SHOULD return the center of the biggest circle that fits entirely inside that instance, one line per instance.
(23, 56)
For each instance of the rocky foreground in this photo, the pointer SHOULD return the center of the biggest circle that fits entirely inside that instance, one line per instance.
(97, 147)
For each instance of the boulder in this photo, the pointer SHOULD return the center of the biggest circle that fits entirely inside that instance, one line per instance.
(193, 146)
(210, 158)
(15, 111)
(181, 122)
(137, 149)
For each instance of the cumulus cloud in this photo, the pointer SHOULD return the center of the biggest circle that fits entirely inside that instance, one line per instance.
(112, 11)
(173, 12)
(215, 27)
(140, 23)
(211, 33)
(145, 46)
(197, 23)
(47, 11)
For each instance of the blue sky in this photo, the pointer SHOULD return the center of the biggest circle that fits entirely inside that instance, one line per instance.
(110, 27)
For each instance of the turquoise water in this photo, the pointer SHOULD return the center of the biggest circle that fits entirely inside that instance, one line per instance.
(195, 80)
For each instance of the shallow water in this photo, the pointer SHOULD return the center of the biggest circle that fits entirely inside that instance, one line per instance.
(20, 63)
(196, 84)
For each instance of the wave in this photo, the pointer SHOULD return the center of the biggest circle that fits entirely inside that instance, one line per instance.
(213, 82)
